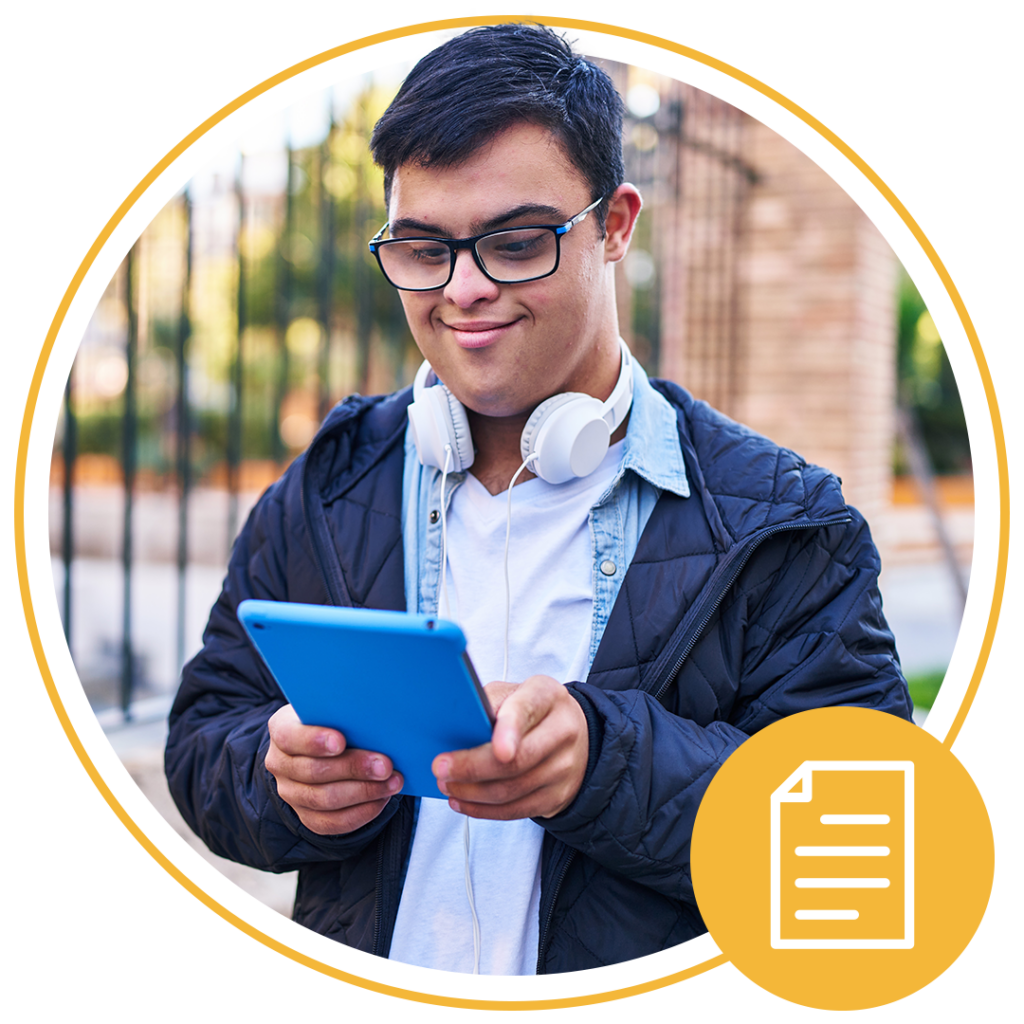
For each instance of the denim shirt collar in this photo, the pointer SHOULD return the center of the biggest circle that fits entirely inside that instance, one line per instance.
(652, 439)
(651, 454)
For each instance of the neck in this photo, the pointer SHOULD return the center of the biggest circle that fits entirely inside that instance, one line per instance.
(497, 455)
(496, 439)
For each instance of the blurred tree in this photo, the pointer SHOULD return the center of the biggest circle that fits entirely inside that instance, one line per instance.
(927, 387)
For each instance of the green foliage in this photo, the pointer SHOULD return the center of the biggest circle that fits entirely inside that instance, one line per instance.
(924, 687)
(927, 385)
(100, 433)
(306, 264)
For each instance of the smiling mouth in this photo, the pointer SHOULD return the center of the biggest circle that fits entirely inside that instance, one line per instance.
(479, 333)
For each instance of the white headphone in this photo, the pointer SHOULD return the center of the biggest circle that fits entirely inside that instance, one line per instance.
(568, 433)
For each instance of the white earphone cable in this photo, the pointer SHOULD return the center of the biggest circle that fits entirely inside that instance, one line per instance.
(472, 903)
(508, 534)
(442, 594)
(442, 602)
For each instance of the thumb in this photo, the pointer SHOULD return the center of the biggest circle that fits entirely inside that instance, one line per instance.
(507, 733)
(518, 714)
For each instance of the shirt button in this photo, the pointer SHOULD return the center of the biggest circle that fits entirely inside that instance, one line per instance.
(434, 515)
(608, 567)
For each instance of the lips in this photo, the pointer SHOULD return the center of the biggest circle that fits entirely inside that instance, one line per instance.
(479, 333)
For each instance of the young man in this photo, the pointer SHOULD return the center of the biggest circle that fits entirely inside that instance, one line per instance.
(693, 585)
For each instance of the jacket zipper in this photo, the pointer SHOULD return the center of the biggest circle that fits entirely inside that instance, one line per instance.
(716, 599)
(378, 903)
(546, 925)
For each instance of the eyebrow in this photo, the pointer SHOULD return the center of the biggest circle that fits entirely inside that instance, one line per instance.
(536, 211)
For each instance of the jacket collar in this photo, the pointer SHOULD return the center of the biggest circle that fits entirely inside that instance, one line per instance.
(354, 437)
(652, 450)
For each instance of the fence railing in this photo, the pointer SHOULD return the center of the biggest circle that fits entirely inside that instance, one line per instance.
(246, 309)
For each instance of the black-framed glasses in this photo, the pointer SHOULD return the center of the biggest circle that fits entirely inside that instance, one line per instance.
(506, 256)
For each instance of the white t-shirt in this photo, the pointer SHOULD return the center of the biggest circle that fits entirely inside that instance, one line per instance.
(551, 577)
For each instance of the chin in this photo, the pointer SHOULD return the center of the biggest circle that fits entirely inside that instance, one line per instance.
(494, 403)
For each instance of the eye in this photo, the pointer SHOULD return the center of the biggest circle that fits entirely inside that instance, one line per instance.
(421, 251)
(515, 246)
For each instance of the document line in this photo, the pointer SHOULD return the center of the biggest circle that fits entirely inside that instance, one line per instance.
(842, 851)
(842, 883)
(854, 819)
(826, 915)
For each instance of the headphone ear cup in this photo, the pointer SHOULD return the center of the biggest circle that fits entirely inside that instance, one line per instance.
(528, 439)
(568, 435)
(462, 446)
(438, 418)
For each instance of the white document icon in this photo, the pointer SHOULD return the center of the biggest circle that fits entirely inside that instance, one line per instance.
(842, 856)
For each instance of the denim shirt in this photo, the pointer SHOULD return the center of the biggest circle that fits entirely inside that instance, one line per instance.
(651, 463)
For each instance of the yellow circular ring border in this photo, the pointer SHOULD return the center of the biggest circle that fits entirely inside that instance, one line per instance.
(118, 216)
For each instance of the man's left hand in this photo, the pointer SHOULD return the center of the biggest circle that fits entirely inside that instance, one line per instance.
(534, 765)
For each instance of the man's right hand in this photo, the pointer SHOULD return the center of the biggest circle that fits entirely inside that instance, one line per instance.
(333, 790)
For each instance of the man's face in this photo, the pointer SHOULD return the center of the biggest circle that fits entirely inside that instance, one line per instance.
(503, 348)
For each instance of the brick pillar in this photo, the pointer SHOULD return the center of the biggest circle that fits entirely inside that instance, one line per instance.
(819, 332)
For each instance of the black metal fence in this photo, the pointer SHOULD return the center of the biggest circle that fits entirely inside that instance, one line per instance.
(245, 311)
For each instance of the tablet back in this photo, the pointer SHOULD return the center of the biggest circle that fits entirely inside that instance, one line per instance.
(392, 682)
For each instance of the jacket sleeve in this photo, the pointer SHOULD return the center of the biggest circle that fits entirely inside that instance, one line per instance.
(218, 738)
(801, 628)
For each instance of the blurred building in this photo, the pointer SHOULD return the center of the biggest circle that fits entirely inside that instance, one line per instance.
(776, 294)
(758, 284)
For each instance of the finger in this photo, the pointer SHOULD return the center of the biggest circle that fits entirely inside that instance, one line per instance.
(470, 772)
(534, 795)
(342, 822)
(519, 713)
(337, 796)
(352, 764)
(497, 692)
(480, 765)
(496, 791)
(541, 793)
(294, 738)
(534, 720)
(493, 812)
(333, 823)
(540, 781)
(538, 765)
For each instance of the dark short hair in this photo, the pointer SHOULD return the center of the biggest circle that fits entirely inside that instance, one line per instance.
(483, 82)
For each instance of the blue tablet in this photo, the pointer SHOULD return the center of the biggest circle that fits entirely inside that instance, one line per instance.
(396, 683)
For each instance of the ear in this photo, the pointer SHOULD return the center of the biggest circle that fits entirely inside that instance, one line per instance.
(623, 210)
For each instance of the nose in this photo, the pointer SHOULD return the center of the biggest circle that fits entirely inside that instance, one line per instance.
(469, 284)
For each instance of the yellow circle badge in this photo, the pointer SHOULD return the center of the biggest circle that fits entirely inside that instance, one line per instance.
(842, 858)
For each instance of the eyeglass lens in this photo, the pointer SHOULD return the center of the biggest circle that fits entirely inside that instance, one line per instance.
(507, 256)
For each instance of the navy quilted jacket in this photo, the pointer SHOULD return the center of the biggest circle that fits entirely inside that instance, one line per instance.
(752, 599)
